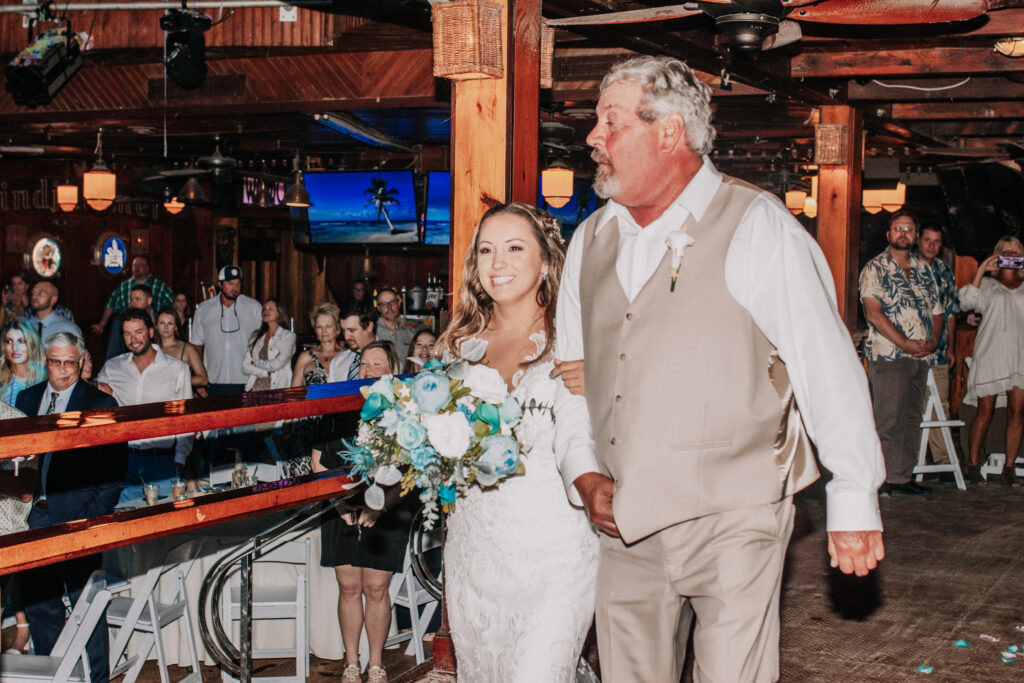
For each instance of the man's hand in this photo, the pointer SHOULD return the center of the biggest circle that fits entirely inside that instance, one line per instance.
(571, 372)
(96, 328)
(597, 490)
(855, 552)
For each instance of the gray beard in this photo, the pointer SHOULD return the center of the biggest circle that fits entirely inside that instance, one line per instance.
(606, 187)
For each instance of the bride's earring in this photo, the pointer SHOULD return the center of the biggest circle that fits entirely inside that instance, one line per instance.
(544, 275)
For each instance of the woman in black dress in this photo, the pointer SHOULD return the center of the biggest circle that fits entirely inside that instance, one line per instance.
(364, 546)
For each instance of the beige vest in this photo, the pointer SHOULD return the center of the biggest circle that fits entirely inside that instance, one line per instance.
(692, 410)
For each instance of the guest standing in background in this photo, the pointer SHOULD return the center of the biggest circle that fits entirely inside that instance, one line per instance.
(17, 483)
(391, 326)
(182, 310)
(170, 338)
(420, 350)
(46, 319)
(22, 361)
(119, 301)
(268, 362)
(222, 328)
(998, 366)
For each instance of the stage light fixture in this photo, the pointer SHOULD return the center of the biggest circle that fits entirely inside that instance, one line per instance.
(39, 71)
(186, 46)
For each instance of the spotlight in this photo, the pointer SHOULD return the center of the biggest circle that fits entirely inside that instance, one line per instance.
(186, 46)
(39, 71)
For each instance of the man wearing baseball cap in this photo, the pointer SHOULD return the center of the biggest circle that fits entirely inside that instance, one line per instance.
(222, 328)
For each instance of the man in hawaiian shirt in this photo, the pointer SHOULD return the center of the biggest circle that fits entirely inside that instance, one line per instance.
(904, 313)
(943, 361)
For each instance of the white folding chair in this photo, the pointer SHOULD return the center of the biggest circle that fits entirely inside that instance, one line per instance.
(935, 417)
(67, 661)
(407, 591)
(280, 601)
(149, 615)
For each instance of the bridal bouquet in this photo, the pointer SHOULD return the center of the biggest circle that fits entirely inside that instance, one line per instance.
(447, 427)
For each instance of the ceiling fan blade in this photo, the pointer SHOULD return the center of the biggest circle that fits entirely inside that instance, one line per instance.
(882, 12)
(635, 16)
(966, 153)
(789, 32)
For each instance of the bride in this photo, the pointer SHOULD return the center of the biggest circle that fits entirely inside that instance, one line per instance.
(520, 561)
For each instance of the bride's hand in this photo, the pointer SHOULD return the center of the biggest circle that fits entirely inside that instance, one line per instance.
(571, 372)
(368, 517)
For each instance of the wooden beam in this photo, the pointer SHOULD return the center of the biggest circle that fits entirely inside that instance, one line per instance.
(523, 62)
(935, 89)
(839, 211)
(940, 61)
(958, 110)
(942, 129)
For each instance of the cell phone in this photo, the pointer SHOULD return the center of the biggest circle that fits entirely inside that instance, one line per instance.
(1012, 262)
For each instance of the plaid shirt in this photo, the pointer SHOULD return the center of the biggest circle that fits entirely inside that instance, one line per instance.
(119, 298)
(950, 300)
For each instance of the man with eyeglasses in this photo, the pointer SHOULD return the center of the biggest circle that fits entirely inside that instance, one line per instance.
(390, 327)
(74, 484)
(222, 328)
(904, 314)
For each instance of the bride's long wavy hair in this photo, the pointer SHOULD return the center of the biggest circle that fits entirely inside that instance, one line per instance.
(473, 312)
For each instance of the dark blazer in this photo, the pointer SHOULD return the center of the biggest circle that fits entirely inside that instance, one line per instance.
(79, 468)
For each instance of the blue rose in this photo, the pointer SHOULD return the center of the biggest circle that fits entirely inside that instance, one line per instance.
(433, 363)
(501, 453)
(510, 411)
(411, 434)
(446, 494)
(488, 414)
(389, 421)
(374, 405)
(422, 457)
(431, 392)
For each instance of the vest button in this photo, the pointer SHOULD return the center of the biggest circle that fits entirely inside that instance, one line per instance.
(618, 398)
(613, 440)
(622, 356)
(629, 316)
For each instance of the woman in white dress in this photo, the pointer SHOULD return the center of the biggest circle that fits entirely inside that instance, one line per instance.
(520, 561)
(998, 365)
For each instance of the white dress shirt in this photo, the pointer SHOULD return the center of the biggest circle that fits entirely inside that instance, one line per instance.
(338, 372)
(224, 333)
(165, 379)
(776, 271)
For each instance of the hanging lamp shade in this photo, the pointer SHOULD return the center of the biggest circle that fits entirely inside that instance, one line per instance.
(192, 191)
(297, 194)
(893, 200)
(99, 187)
(872, 200)
(171, 203)
(67, 197)
(795, 201)
(556, 184)
(467, 39)
(811, 207)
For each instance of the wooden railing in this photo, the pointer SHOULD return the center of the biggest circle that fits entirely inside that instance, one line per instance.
(31, 435)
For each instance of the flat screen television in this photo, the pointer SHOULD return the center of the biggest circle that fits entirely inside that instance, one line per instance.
(362, 206)
(583, 203)
(438, 220)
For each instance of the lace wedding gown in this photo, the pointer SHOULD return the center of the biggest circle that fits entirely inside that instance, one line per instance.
(520, 562)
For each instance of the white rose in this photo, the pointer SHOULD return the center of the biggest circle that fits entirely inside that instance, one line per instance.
(486, 384)
(473, 349)
(449, 434)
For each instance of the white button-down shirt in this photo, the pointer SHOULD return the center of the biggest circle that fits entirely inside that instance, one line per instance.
(224, 333)
(165, 379)
(776, 271)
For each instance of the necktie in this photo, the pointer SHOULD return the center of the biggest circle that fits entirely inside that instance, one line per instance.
(353, 368)
(50, 409)
(40, 330)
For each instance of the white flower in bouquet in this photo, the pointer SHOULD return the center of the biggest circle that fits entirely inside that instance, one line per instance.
(366, 433)
(449, 434)
(473, 349)
(486, 384)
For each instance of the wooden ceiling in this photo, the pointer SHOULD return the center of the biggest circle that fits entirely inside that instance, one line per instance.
(931, 93)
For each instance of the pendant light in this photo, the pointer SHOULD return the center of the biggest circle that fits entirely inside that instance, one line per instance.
(67, 195)
(99, 186)
(297, 195)
(192, 191)
(171, 204)
(556, 184)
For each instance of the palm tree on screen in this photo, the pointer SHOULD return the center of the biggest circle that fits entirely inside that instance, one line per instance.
(380, 197)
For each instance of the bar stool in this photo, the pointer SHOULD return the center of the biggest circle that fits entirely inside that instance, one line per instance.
(934, 417)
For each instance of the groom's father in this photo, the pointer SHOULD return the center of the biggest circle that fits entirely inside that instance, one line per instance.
(706, 316)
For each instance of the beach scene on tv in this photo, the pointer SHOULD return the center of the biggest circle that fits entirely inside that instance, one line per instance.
(362, 206)
(438, 223)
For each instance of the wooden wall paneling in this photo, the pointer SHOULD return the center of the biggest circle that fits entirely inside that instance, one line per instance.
(839, 199)
(523, 68)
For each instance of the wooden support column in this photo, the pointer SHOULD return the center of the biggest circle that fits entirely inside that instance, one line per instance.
(839, 195)
(494, 133)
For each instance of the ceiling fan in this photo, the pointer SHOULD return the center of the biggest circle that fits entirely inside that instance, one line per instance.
(768, 24)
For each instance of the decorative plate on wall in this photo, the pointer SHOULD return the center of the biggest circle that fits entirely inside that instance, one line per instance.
(44, 255)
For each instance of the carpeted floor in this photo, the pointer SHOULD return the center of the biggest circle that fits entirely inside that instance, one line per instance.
(954, 571)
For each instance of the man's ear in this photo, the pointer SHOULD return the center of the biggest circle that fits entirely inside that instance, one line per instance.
(673, 132)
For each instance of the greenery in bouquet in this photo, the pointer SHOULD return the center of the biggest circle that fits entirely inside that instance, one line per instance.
(446, 428)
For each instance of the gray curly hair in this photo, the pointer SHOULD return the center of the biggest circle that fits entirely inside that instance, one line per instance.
(670, 87)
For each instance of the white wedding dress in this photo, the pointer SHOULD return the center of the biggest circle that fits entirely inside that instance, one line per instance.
(520, 562)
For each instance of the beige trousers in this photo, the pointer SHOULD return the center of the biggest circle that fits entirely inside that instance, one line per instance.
(725, 570)
(935, 442)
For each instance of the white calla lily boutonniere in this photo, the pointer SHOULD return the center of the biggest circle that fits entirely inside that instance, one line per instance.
(677, 243)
